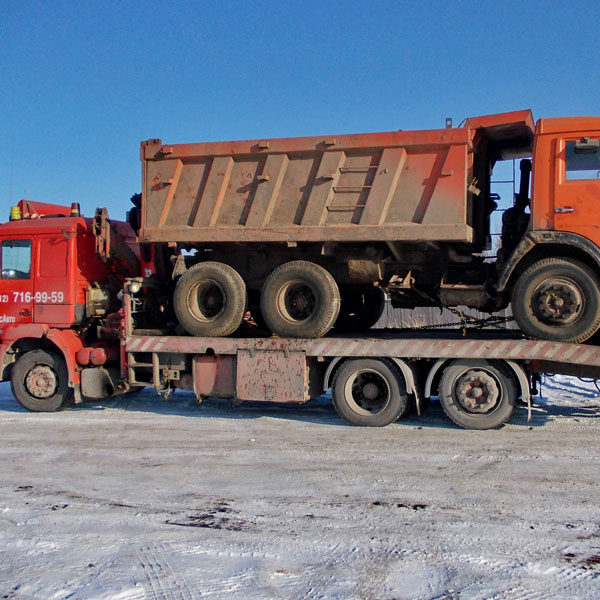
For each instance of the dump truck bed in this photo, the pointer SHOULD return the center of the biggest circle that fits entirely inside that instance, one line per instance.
(383, 186)
(392, 186)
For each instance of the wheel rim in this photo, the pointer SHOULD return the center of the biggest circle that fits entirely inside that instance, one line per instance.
(207, 300)
(41, 382)
(477, 391)
(558, 301)
(296, 301)
(367, 392)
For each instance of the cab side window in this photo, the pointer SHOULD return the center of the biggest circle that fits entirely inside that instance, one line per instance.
(582, 160)
(16, 259)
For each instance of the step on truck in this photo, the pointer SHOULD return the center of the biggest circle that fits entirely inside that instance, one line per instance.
(75, 326)
(310, 234)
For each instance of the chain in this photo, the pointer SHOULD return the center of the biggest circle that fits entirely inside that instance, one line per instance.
(466, 321)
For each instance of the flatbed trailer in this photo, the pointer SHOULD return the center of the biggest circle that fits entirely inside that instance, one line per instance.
(479, 376)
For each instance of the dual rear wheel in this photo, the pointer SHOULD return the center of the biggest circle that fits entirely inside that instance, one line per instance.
(360, 309)
(298, 299)
(210, 299)
(369, 392)
(478, 394)
(474, 394)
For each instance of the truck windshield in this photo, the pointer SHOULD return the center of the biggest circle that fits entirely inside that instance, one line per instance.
(16, 259)
(581, 166)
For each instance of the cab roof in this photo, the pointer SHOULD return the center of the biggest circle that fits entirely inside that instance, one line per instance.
(568, 124)
(45, 225)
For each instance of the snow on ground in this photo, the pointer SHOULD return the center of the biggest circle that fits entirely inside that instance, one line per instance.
(139, 498)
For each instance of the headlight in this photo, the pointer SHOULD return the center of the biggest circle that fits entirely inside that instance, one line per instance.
(135, 287)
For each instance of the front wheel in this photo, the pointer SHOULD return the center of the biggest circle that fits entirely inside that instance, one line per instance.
(557, 299)
(369, 392)
(477, 394)
(39, 381)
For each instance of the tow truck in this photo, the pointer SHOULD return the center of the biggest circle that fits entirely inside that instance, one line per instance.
(84, 315)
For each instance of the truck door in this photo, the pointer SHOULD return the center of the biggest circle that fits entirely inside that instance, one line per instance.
(16, 281)
(577, 196)
(52, 292)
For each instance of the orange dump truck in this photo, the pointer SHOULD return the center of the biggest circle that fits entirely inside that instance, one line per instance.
(312, 233)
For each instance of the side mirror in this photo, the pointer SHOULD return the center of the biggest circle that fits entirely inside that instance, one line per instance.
(587, 146)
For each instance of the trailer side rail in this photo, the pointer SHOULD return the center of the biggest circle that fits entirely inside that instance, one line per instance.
(406, 347)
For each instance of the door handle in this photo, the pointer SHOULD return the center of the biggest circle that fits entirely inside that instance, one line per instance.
(25, 313)
(564, 209)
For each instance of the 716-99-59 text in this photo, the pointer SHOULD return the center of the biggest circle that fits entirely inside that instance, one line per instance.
(37, 297)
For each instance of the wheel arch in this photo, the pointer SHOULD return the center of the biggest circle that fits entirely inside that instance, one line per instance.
(433, 378)
(405, 369)
(63, 343)
(545, 244)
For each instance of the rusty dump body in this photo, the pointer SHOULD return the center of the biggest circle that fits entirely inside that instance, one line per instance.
(400, 186)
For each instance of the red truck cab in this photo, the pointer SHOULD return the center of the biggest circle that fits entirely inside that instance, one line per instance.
(48, 262)
(54, 291)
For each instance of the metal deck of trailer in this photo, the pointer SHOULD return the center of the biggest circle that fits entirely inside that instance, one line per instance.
(419, 344)
(272, 369)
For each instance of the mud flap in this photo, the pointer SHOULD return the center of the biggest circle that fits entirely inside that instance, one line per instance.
(98, 382)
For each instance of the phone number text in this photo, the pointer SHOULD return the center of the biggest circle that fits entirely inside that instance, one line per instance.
(39, 297)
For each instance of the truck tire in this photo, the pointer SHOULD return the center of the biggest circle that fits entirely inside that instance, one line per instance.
(369, 392)
(477, 394)
(557, 299)
(210, 299)
(300, 299)
(39, 381)
(360, 310)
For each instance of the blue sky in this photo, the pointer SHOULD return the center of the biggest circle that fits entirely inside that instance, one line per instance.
(84, 82)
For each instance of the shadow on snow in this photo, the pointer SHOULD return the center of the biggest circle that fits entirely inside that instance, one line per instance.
(319, 410)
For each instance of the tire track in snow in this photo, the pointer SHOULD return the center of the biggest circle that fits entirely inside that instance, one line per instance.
(226, 573)
(572, 581)
(565, 582)
(557, 582)
(165, 582)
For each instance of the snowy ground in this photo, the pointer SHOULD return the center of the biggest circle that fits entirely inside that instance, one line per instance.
(141, 498)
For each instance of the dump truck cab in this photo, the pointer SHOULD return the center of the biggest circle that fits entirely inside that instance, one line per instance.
(552, 275)
(566, 177)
